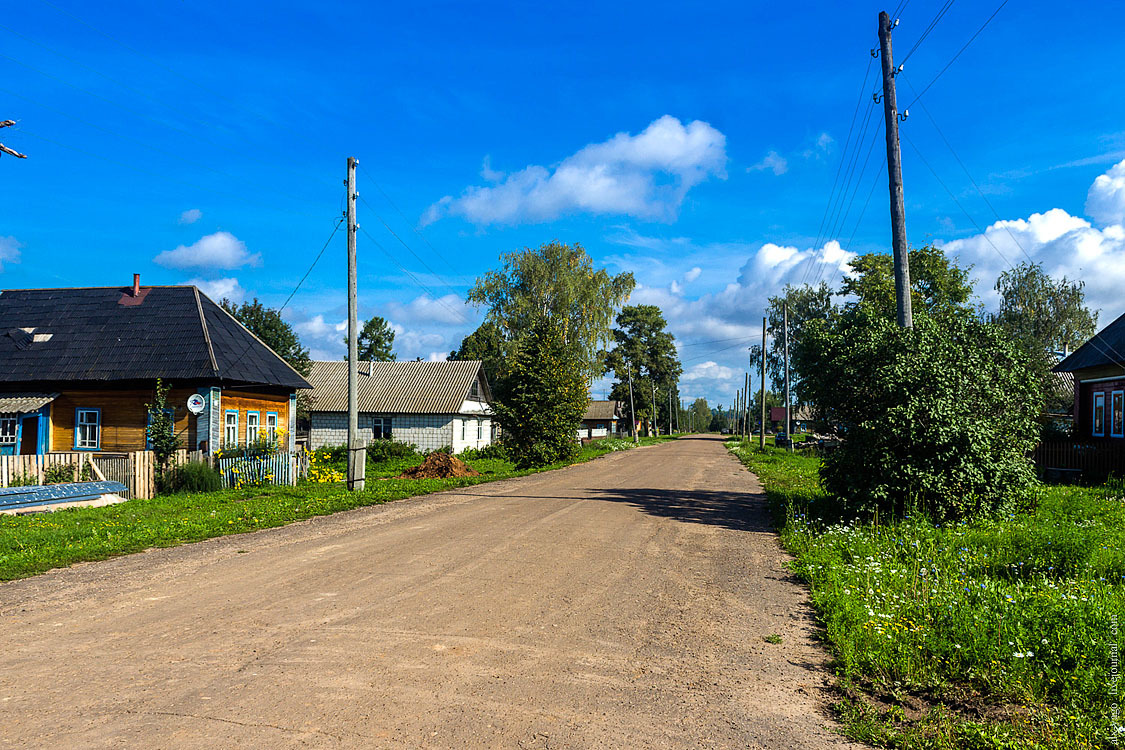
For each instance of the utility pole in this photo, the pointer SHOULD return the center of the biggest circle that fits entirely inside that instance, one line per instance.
(762, 436)
(788, 402)
(652, 382)
(746, 408)
(894, 175)
(357, 453)
(5, 149)
(632, 407)
(669, 410)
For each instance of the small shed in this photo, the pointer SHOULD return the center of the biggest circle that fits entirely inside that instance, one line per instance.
(601, 420)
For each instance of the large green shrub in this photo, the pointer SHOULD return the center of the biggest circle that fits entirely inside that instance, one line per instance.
(939, 418)
(384, 450)
(192, 477)
(544, 398)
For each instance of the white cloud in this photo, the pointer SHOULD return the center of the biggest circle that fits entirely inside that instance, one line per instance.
(488, 173)
(1105, 202)
(218, 289)
(426, 309)
(9, 251)
(693, 274)
(708, 370)
(190, 216)
(772, 161)
(438, 356)
(627, 174)
(221, 250)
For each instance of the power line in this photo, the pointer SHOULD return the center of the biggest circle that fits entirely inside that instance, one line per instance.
(954, 58)
(417, 282)
(400, 213)
(926, 32)
(871, 192)
(311, 267)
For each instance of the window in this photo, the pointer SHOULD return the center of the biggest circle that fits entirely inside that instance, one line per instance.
(271, 425)
(480, 429)
(253, 427)
(87, 429)
(381, 428)
(464, 429)
(230, 429)
(1099, 415)
(8, 427)
(148, 423)
(1117, 414)
(474, 391)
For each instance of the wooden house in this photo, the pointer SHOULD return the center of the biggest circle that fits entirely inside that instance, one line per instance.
(429, 405)
(600, 420)
(78, 366)
(1098, 371)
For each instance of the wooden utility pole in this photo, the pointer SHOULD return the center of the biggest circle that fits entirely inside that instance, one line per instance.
(894, 175)
(669, 410)
(652, 382)
(357, 453)
(5, 149)
(632, 407)
(788, 401)
(762, 436)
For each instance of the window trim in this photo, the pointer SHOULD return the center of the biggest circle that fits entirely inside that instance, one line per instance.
(78, 423)
(257, 426)
(1098, 396)
(226, 414)
(15, 420)
(385, 426)
(271, 432)
(1117, 413)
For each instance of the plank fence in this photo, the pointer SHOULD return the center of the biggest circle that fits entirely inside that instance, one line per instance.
(137, 470)
(1092, 459)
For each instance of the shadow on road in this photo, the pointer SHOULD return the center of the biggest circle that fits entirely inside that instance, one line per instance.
(742, 511)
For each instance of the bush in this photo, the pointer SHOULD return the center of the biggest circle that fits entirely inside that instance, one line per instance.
(384, 450)
(62, 474)
(939, 418)
(491, 451)
(23, 480)
(193, 477)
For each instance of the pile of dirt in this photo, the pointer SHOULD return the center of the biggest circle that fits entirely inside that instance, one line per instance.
(439, 466)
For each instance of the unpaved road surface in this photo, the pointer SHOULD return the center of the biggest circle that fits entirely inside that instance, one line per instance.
(616, 604)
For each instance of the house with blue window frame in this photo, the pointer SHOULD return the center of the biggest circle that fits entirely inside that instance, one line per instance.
(1098, 371)
(78, 366)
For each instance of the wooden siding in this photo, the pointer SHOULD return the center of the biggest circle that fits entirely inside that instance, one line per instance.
(1084, 408)
(123, 417)
(245, 402)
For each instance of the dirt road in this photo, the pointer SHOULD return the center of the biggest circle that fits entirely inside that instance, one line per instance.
(616, 604)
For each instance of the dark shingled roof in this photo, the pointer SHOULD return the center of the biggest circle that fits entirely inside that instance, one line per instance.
(102, 334)
(1106, 348)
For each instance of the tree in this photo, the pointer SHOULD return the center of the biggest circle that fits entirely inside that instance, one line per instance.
(374, 341)
(487, 345)
(160, 432)
(266, 323)
(720, 419)
(806, 304)
(937, 285)
(700, 415)
(939, 418)
(545, 400)
(557, 283)
(1044, 316)
(642, 344)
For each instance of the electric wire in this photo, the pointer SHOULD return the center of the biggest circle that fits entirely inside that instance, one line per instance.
(408, 221)
(417, 282)
(926, 32)
(311, 267)
(954, 58)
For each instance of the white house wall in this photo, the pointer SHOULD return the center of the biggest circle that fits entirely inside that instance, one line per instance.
(473, 426)
(425, 431)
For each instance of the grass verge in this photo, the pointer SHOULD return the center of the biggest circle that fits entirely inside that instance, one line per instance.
(35, 543)
(996, 633)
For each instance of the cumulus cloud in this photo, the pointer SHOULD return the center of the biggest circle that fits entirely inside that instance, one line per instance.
(645, 175)
(426, 309)
(693, 274)
(1105, 202)
(708, 370)
(9, 251)
(221, 250)
(773, 162)
(218, 289)
(190, 216)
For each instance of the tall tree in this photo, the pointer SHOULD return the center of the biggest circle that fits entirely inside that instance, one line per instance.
(937, 285)
(701, 415)
(266, 323)
(806, 303)
(558, 283)
(487, 345)
(375, 341)
(643, 345)
(1044, 317)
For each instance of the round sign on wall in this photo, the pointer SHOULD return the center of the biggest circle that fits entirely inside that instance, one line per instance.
(196, 403)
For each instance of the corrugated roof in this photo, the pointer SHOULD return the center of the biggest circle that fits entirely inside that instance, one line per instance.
(605, 410)
(24, 403)
(103, 333)
(1106, 348)
(397, 387)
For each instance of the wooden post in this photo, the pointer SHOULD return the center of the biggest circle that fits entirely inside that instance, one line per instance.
(762, 437)
(788, 401)
(357, 453)
(632, 406)
(894, 176)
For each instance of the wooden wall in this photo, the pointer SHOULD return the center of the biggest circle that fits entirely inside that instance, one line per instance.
(124, 418)
(245, 401)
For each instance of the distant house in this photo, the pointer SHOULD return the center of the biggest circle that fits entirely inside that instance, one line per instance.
(600, 420)
(802, 418)
(1098, 369)
(426, 404)
(77, 367)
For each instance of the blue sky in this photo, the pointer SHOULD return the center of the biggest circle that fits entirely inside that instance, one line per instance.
(206, 142)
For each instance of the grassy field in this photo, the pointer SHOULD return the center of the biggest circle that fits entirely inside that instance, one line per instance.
(995, 633)
(35, 543)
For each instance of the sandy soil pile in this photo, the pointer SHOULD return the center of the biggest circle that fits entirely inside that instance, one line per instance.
(439, 466)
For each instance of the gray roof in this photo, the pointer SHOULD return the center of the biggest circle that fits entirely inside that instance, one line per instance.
(24, 403)
(1107, 347)
(606, 410)
(397, 387)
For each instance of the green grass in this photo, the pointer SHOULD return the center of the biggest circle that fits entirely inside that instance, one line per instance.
(35, 543)
(994, 633)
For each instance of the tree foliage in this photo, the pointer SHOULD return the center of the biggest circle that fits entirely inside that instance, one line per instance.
(939, 418)
(807, 303)
(375, 341)
(643, 345)
(161, 429)
(266, 323)
(545, 398)
(937, 285)
(557, 283)
(487, 345)
(700, 415)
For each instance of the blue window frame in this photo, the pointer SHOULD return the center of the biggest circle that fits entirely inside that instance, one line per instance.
(87, 429)
(271, 425)
(1099, 415)
(253, 427)
(230, 428)
(1117, 414)
(148, 423)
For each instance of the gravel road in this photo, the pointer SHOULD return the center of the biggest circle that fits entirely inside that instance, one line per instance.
(621, 603)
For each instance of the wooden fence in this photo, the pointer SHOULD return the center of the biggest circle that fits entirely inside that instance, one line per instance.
(137, 470)
(274, 468)
(1093, 460)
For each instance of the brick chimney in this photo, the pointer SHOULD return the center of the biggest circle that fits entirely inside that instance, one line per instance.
(136, 285)
(131, 297)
